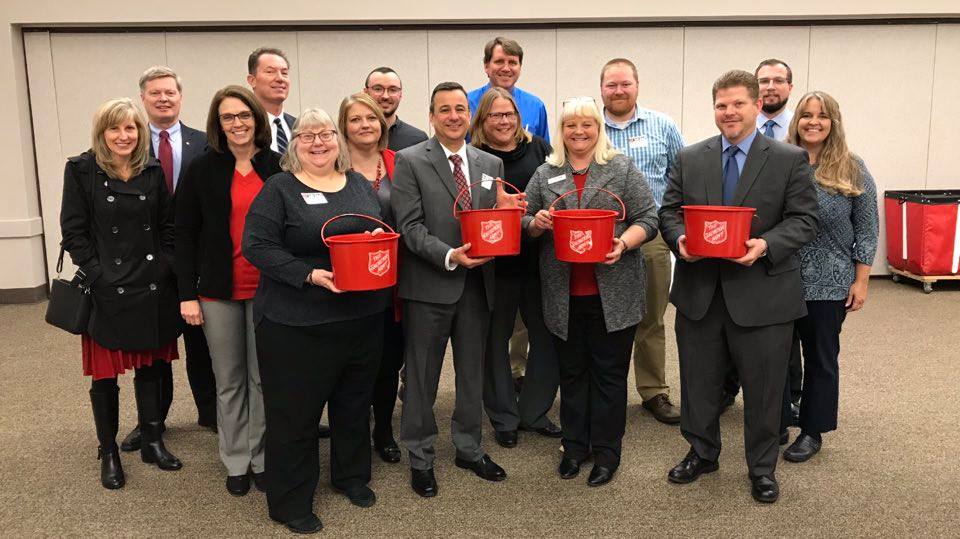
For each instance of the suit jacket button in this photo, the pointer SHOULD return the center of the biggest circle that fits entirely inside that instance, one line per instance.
(119, 290)
(146, 227)
(143, 197)
(153, 286)
(115, 230)
(149, 257)
(117, 261)
(105, 183)
(110, 198)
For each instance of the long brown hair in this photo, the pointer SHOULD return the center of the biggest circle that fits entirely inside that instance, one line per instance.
(477, 136)
(113, 113)
(217, 139)
(838, 170)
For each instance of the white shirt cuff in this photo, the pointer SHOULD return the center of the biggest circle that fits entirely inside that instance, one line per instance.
(446, 261)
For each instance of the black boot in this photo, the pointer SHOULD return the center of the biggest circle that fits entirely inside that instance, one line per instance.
(106, 417)
(149, 405)
(132, 441)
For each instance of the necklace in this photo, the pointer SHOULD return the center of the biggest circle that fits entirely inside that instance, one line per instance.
(581, 171)
(377, 179)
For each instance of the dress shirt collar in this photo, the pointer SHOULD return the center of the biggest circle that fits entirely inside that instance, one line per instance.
(462, 152)
(638, 114)
(173, 130)
(744, 144)
(782, 120)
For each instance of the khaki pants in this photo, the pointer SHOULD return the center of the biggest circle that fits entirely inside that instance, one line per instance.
(519, 346)
(649, 344)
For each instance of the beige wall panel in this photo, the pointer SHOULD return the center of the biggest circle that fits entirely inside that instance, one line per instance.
(208, 61)
(709, 52)
(20, 265)
(91, 68)
(943, 162)
(861, 66)
(657, 52)
(457, 55)
(334, 64)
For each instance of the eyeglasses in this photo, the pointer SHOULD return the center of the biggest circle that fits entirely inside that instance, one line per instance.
(324, 136)
(244, 116)
(392, 91)
(777, 81)
(497, 116)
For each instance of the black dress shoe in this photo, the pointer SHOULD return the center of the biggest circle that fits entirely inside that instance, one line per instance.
(568, 468)
(550, 431)
(305, 525)
(505, 438)
(784, 437)
(389, 452)
(485, 468)
(208, 422)
(600, 475)
(259, 480)
(132, 441)
(765, 488)
(361, 496)
(691, 467)
(238, 485)
(423, 482)
(804, 447)
(324, 433)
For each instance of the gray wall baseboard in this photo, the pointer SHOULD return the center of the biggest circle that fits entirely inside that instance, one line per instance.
(23, 295)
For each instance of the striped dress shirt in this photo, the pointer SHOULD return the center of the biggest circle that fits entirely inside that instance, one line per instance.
(651, 139)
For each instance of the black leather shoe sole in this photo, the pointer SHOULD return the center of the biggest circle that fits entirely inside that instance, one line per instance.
(362, 497)
(506, 438)
(423, 483)
(801, 450)
(568, 468)
(306, 525)
(552, 431)
(238, 485)
(765, 495)
(259, 480)
(389, 453)
(682, 479)
(600, 475)
(477, 468)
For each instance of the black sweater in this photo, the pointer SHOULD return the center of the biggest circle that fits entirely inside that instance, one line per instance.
(204, 249)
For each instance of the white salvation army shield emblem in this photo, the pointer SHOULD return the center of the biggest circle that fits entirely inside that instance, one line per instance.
(378, 262)
(581, 241)
(715, 232)
(491, 231)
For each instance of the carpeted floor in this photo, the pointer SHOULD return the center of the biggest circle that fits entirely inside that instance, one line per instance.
(891, 469)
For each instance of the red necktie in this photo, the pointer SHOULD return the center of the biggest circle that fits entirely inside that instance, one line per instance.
(166, 159)
(462, 186)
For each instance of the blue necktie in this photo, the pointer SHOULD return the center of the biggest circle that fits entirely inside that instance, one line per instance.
(281, 137)
(768, 128)
(731, 175)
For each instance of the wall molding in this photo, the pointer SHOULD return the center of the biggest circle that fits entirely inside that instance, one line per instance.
(20, 228)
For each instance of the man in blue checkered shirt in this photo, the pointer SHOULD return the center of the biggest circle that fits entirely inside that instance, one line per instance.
(652, 140)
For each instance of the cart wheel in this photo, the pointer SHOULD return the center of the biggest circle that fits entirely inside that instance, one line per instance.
(896, 278)
(927, 288)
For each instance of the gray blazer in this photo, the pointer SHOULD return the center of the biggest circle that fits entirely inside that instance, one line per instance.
(423, 191)
(622, 285)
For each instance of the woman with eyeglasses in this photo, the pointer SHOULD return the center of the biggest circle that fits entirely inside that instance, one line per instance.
(591, 309)
(497, 129)
(317, 344)
(216, 283)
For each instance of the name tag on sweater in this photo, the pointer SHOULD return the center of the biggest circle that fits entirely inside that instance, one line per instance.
(314, 198)
(556, 179)
(637, 142)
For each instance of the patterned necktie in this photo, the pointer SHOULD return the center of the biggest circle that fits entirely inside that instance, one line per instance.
(462, 186)
(165, 154)
(281, 137)
(731, 175)
(768, 128)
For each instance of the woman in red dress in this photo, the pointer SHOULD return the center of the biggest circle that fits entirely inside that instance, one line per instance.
(117, 224)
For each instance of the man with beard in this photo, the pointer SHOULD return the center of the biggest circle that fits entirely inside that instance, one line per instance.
(268, 74)
(652, 140)
(384, 86)
(502, 61)
(776, 82)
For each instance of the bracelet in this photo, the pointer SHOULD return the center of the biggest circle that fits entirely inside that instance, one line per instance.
(624, 242)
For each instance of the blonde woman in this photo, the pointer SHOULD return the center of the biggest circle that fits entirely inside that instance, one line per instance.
(835, 267)
(591, 309)
(117, 224)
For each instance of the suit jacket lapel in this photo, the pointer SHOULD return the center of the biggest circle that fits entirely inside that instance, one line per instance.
(562, 186)
(756, 158)
(439, 159)
(188, 150)
(597, 178)
(713, 178)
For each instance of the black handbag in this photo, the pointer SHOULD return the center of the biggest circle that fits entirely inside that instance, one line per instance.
(70, 302)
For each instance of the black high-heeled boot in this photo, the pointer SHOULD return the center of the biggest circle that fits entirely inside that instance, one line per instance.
(152, 450)
(106, 418)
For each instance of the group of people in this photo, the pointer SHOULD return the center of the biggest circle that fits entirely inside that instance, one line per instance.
(217, 236)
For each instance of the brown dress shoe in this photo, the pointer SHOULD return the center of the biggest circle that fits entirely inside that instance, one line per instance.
(662, 409)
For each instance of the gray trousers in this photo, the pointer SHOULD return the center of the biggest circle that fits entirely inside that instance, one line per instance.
(228, 326)
(427, 328)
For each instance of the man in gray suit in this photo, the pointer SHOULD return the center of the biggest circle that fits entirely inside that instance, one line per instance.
(741, 310)
(447, 294)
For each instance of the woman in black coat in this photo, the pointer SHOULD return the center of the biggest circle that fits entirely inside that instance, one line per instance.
(117, 224)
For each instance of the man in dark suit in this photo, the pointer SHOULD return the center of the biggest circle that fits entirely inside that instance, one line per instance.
(447, 294)
(175, 145)
(268, 74)
(738, 310)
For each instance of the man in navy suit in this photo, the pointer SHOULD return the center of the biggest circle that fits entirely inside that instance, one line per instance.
(268, 74)
(175, 145)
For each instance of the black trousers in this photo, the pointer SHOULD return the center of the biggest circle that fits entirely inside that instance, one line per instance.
(203, 385)
(760, 354)
(301, 369)
(388, 377)
(731, 385)
(593, 383)
(820, 335)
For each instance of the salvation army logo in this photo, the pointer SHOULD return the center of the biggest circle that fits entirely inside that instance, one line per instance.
(491, 231)
(378, 262)
(715, 232)
(581, 241)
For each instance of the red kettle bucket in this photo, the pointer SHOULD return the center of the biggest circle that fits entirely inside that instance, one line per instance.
(362, 261)
(491, 232)
(584, 235)
(717, 231)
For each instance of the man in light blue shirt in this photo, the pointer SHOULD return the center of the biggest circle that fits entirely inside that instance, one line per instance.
(652, 140)
(502, 61)
(776, 83)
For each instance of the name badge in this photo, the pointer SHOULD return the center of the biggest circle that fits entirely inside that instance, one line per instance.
(556, 179)
(314, 198)
(486, 181)
(638, 142)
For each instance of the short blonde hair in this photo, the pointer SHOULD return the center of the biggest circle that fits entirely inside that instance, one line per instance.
(363, 99)
(111, 114)
(308, 120)
(583, 107)
(477, 137)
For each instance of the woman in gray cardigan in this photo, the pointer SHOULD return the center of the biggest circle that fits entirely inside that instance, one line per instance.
(591, 309)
